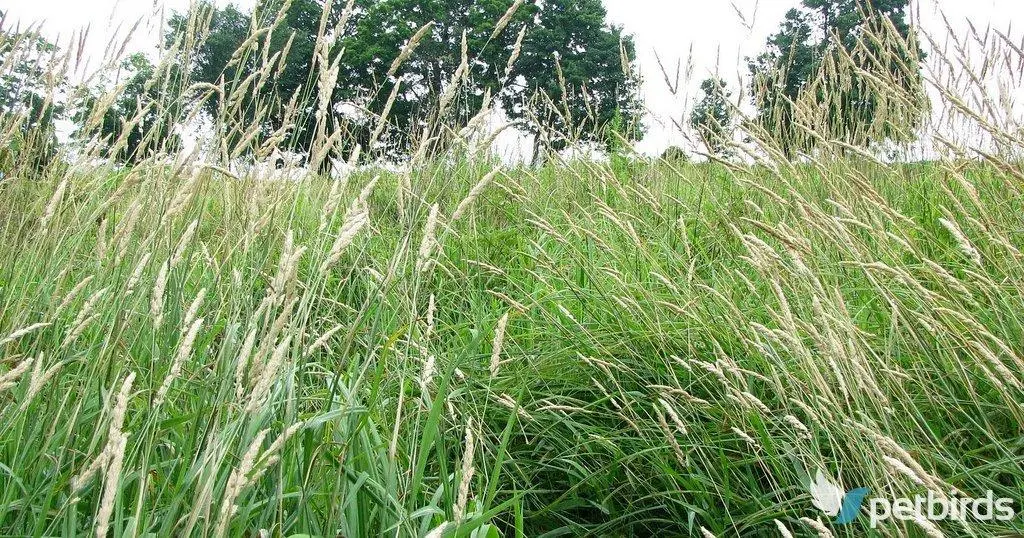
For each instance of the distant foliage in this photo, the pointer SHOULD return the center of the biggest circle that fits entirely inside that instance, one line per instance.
(712, 118)
(573, 77)
(556, 69)
(137, 124)
(27, 87)
(675, 154)
(846, 69)
(257, 79)
(413, 49)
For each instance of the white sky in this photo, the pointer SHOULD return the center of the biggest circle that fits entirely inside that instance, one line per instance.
(717, 34)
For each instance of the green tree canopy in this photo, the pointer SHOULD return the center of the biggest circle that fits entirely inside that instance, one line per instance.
(138, 123)
(384, 28)
(713, 117)
(846, 69)
(675, 154)
(28, 82)
(262, 65)
(562, 46)
(572, 79)
(780, 75)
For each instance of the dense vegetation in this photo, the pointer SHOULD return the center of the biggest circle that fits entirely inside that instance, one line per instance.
(634, 351)
(457, 346)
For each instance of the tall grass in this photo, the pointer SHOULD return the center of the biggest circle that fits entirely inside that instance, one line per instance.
(463, 348)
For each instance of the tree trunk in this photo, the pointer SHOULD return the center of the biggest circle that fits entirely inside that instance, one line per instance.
(539, 152)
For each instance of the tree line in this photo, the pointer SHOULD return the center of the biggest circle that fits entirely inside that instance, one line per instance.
(848, 70)
(388, 77)
(556, 69)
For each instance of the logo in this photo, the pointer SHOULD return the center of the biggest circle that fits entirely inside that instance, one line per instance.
(942, 508)
(830, 498)
(845, 506)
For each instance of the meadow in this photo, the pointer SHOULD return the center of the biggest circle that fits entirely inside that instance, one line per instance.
(654, 349)
(465, 347)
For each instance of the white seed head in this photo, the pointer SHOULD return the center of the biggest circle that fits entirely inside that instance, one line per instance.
(12, 377)
(22, 332)
(499, 340)
(474, 193)
(467, 472)
(429, 241)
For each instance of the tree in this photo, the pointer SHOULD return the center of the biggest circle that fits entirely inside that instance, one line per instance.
(567, 84)
(848, 69)
(572, 79)
(263, 64)
(138, 123)
(870, 85)
(847, 18)
(675, 155)
(713, 118)
(384, 28)
(780, 76)
(369, 79)
(29, 80)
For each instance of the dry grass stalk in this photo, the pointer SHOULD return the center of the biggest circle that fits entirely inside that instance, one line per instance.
(499, 339)
(468, 469)
(505, 19)
(268, 376)
(18, 334)
(818, 527)
(474, 193)
(13, 376)
(428, 244)
(37, 381)
(357, 218)
(184, 352)
(410, 47)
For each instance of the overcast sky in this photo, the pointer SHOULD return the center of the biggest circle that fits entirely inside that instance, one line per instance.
(716, 34)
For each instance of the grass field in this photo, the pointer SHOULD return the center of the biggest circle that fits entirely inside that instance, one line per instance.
(637, 349)
(457, 346)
